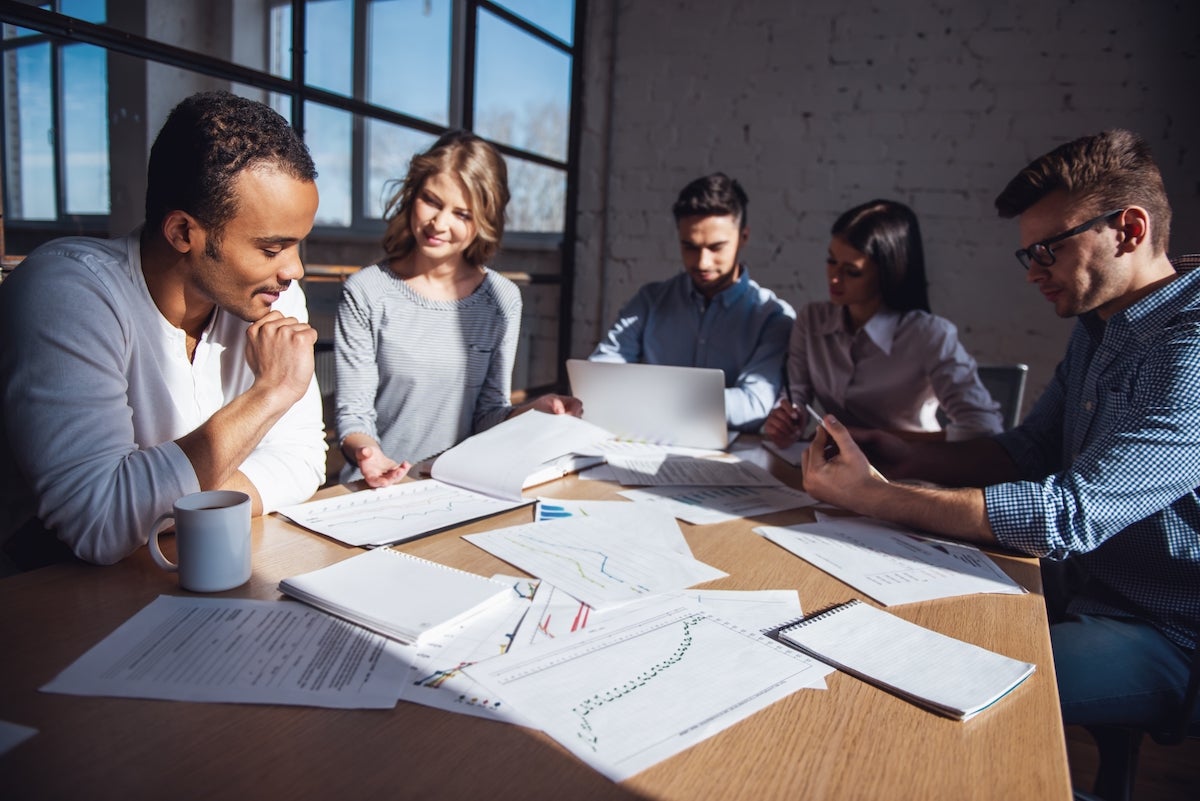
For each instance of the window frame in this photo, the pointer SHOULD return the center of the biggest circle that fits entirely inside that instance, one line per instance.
(61, 30)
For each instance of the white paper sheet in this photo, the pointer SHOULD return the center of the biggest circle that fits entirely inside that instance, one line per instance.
(640, 687)
(654, 524)
(688, 471)
(498, 461)
(12, 735)
(792, 454)
(436, 677)
(599, 561)
(396, 513)
(891, 564)
(555, 614)
(705, 505)
(239, 651)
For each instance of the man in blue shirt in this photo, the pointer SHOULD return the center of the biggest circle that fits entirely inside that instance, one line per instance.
(1104, 471)
(711, 314)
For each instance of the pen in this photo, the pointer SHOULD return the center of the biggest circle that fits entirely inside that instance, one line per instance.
(831, 448)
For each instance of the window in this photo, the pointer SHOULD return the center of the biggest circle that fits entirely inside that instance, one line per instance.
(367, 82)
(419, 67)
(55, 134)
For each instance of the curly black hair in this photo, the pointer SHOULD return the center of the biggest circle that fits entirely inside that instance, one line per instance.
(206, 141)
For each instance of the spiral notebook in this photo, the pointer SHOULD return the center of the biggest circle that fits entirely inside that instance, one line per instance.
(948, 676)
(397, 594)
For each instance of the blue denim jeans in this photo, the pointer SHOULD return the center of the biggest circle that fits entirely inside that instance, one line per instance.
(1117, 671)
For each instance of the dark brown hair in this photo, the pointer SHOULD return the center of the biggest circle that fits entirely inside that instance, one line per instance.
(1109, 170)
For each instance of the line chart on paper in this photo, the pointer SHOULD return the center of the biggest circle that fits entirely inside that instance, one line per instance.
(394, 514)
(646, 685)
(596, 561)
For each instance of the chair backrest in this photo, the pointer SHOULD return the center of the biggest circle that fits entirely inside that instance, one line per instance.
(1006, 384)
(324, 368)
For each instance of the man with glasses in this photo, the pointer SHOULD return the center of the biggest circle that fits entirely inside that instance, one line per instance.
(1102, 475)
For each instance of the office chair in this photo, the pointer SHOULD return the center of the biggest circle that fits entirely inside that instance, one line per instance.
(1006, 384)
(1119, 745)
(324, 369)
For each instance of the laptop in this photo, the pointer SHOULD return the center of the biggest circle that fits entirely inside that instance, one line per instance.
(683, 406)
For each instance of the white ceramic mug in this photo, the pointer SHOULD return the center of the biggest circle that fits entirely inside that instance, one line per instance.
(212, 540)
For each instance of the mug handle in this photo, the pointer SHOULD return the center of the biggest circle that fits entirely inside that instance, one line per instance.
(156, 552)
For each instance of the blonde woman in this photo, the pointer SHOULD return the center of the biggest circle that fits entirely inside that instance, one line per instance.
(426, 338)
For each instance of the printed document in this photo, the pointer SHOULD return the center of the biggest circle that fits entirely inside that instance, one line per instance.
(701, 506)
(397, 513)
(239, 651)
(436, 678)
(638, 687)
(501, 461)
(598, 560)
(652, 524)
(891, 564)
(688, 471)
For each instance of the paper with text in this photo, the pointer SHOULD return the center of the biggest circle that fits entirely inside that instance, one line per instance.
(891, 564)
(636, 688)
(706, 505)
(688, 471)
(394, 514)
(599, 561)
(436, 676)
(659, 525)
(239, 651)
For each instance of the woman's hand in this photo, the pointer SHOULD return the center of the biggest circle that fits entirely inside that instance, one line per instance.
(785, 424)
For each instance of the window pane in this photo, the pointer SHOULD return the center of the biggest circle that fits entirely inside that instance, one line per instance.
(556, 17)
(539, 196)
(389, 150)
(279, 41)
(85, 128)
(232, 30)
(329, 45)
(421, 87)
(86, 10)
(327, 133)
(522, 89)
(29, 133)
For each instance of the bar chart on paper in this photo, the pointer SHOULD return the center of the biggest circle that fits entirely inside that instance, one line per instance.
(436, 675)
(396, 513)
(646, 685)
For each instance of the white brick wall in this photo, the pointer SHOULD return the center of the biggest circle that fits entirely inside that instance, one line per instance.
(816, 105)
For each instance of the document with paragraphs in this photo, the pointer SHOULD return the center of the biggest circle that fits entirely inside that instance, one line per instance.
(239, 651)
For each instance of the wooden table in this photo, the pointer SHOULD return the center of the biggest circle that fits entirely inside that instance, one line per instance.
(852, 741)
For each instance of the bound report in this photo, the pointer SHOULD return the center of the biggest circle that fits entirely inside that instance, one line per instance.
(396, 594)
(949, 676)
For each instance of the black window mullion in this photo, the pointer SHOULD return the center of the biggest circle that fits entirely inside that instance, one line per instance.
(470, 37)
(358, 123)
(299, 26)
(58, 145)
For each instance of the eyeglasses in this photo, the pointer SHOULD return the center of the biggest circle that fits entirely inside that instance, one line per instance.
(1041, 253)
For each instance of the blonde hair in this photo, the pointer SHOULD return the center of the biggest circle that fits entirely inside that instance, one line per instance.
(482, 170)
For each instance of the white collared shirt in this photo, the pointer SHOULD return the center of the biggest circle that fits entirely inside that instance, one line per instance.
(893, 373)
(97, 387)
